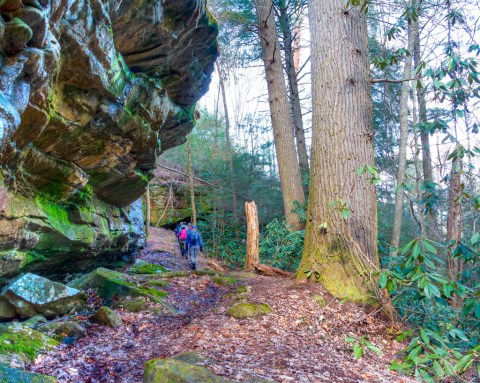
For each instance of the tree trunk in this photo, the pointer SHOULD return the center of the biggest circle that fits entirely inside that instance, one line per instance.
(253, 231)
(229, 144)
(430, 221)
(147, 213)
(341, 253)
(296, 109)
(190, 179)
(402, 147)
(454, 210)
(282, 124)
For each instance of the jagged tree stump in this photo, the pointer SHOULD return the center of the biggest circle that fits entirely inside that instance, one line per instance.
(252, 236)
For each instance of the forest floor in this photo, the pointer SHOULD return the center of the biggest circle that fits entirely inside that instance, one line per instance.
(299, 341)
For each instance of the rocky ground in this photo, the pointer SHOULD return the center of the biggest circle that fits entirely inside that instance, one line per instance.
(301, 340)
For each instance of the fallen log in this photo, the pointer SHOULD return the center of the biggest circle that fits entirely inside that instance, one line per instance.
(214, 266)
(271, 271)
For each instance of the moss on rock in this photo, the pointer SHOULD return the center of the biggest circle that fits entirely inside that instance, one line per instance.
(248, 310)
(106, 316)
(142, 267)
(320, 300)
(176, 371)
(13, 375)
(131, 305)
(24, 341)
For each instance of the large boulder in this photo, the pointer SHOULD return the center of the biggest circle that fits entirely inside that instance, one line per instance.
(248, 310)
(90, 94)
(7, 311)
(111, 284)
(24, 342)
(31, 295)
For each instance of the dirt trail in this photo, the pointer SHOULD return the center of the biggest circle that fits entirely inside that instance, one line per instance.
(298, 342)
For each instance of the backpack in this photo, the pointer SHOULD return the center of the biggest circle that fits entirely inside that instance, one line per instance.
(183, 235)
(193, 238)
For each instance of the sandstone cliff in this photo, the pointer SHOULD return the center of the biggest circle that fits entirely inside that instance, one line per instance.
(90, 93)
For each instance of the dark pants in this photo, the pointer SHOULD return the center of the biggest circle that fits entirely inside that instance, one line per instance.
(183, 248)
(193, 254)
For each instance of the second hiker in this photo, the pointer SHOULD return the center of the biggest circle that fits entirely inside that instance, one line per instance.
(194, 245)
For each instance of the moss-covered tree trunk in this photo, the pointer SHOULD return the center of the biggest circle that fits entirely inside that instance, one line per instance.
(282, 124)
(341, 252)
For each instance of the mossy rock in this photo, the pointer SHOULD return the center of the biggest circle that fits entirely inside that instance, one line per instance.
(132, 305)
(244, 289)
(176, 371)
(158, 283)
(224, 281)
(66, 332)
(320, 300)
(34, 321)
(106, 316)
(24, 341)
(13, 375)
(142, 267)
(110, 284)
(248, 310)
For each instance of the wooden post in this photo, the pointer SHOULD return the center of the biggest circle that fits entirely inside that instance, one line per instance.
(252, 236)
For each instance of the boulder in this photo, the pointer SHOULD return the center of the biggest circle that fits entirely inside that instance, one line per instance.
(131, 305)
(106, 316)
(26, 342)
(142, 267)
(110, 284)
(91, 93)
(32, 295)
(319, 300)
(63, 331)
(34, 321)
(12, 375)
(176, 371)
(16, 36)
(7, 311)
(248, 310)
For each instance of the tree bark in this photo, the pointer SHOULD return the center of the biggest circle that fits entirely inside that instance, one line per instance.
(253, 231)
(190, 179)
(454, 210)
(147, 213)
(341, 253)
(229, 144)
(282, 124)
(430, 221)
(402, 147)
(296, 109)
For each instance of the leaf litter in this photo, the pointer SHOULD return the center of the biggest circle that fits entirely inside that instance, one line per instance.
(299, 341)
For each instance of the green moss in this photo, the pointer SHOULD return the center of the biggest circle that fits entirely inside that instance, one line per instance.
(320, 300)
(224, 281)
(248, 310)
(13, 375)
(142, 267)
(158, 283)
(243, 289)
(132, 305)
(24, 341)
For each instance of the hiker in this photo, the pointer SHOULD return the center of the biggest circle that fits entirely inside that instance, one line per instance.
(177, 232)
(182, 240)
(194, 245)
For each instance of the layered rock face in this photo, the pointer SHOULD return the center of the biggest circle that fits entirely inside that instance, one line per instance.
(90, 93)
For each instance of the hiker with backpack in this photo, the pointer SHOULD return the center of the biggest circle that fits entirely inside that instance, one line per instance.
(194, 245)
(177, 233)
(182, 240)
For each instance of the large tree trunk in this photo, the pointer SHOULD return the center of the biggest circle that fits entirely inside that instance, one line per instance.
(402, 147)
(229, 144)
(430, 221)
(253, 232)
(282, 124)
(341, 253)
(190, 179)
(285, 26)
